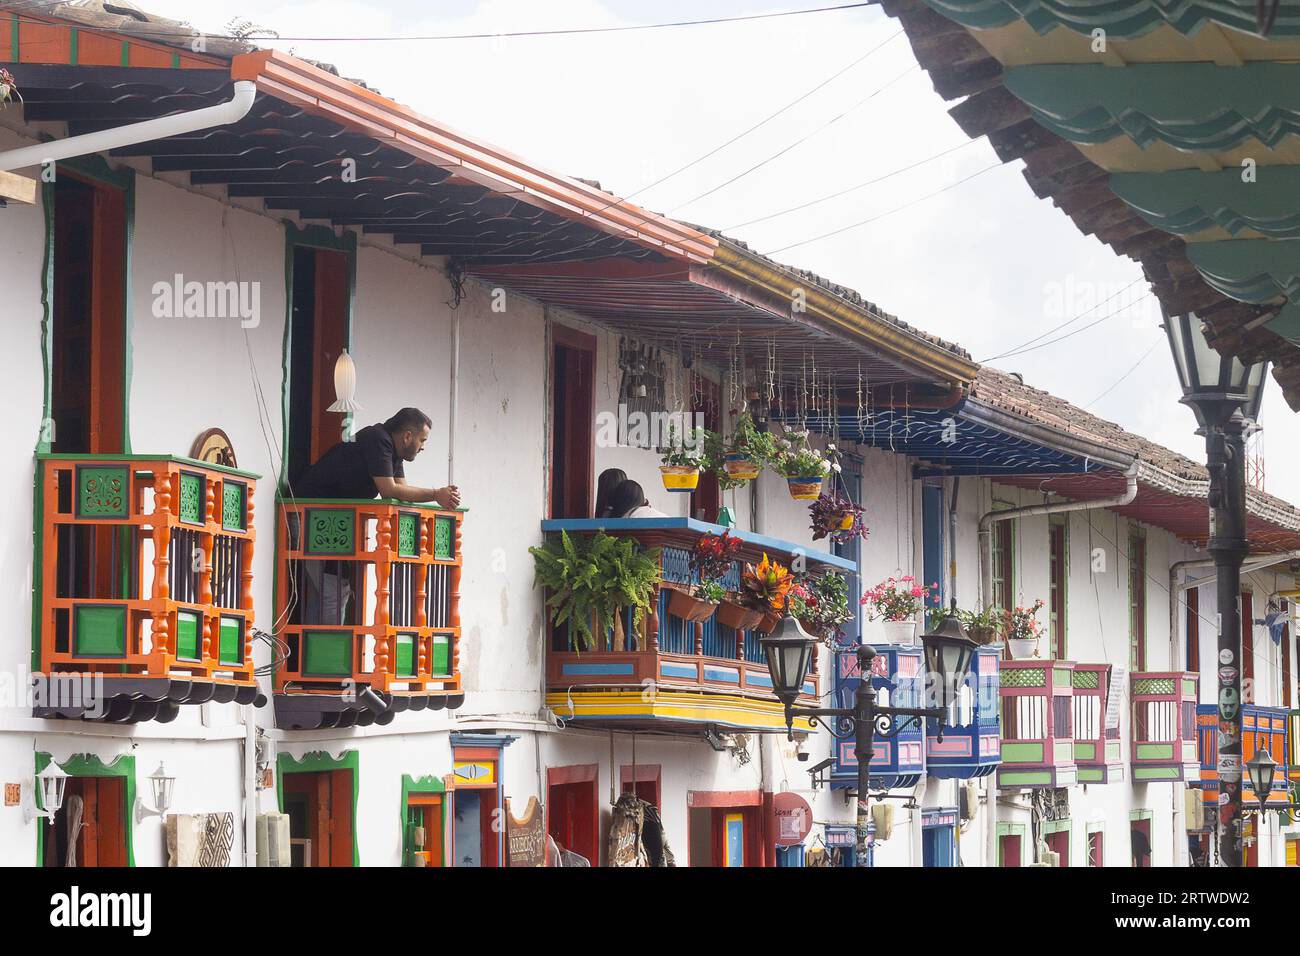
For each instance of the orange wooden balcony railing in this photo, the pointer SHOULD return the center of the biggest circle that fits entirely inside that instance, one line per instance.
(368, 597)
(145, 573)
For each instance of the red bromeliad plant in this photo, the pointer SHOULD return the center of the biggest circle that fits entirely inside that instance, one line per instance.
(711, 560)
(896, 599)
(1021, 623)
(766, 587)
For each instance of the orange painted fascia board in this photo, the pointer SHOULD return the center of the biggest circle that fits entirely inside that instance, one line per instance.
(188, 58)
(294, 81)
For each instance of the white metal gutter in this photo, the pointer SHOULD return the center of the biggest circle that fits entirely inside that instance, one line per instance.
(222, 114)
(991, 517)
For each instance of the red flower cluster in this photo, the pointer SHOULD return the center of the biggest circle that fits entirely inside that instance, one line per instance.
(712, 555)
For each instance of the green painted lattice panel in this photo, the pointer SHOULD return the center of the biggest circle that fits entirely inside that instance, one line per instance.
(441, 654)
(100, 631)
(232, 641)
(1153, 685)
(187, 635)
(408, 539)
(405, 655)
(444, 538)
(191, 503)
(1024, 677)
(327, 653)
(232, 506)
(1087, 680)
(102, 492)
(331, 531)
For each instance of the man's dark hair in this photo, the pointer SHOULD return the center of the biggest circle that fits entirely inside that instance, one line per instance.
(411, 419)
(627, 497)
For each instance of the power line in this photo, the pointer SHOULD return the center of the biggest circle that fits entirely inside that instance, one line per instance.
(1056, 328)
(906, 205)
(845, 192)
(1062, 338)
(1122, 377)
(574, 31)
(781, 152)
(767, 119)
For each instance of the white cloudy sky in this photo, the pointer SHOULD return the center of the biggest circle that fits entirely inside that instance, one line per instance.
(985, 263)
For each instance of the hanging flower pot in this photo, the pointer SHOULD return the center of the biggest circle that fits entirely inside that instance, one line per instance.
(738, 618)
(982, 634)
(900, 632)
(681, 478)
(688, 607)
(740, 467)
(805, 488)
(769, 622)
(1023, 648)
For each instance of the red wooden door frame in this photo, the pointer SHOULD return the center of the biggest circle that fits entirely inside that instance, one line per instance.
(574, 809)
(643, 779)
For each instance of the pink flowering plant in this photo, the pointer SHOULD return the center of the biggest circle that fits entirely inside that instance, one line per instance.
(8, 86)
(1021, 623)
(896, 599)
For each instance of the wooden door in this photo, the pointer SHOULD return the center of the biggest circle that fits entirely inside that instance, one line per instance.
(706, 499)
(319, 805)
(573, 818)
(573, 397)
(1009, 849)
(94, 809)
(330, 337)
(735, 837)
(425, 811)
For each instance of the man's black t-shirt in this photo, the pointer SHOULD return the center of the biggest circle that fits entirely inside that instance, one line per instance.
(349, 469)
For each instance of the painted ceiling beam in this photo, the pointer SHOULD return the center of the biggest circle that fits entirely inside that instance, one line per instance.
(1189, 106)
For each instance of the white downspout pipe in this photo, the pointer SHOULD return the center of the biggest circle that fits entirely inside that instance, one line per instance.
(222, 114)
(989, 518)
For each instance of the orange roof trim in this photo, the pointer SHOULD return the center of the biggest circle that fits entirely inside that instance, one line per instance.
(289, 79)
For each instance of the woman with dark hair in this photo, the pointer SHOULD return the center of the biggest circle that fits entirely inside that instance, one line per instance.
(629, 501)
(609, 479)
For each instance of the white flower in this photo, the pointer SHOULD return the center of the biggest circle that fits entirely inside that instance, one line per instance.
(830, 447)
(836, 467)
(825, 466)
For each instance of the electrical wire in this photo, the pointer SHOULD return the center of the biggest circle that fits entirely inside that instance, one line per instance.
(1123, 377)
(803, 139)
(845, 192)
(573, 31)
(1062, 338)
(907, 205)
(1057, 328)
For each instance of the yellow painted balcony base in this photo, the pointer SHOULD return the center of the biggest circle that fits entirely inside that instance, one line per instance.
(691, 711)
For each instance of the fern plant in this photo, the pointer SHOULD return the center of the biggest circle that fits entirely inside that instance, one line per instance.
(592, 579)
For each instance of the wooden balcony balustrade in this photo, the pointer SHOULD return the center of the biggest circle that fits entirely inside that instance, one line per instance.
(898, 676)
(1164, 726)
(145, 576)
(368, 596)
(694, 673)
(1098, 750)
(1262, 728)
(1037, 724)
(972, 737)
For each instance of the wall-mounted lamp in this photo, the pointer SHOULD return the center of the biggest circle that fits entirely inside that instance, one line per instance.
(51, 783)
(345, 385)
(161, 785)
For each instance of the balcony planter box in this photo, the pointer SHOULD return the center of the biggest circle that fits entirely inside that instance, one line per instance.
(680, 477)
(738, 618)
(902, 633)
(740, 467)
(805, 489)
(689, 608)
(769, 622)
(1022, 649)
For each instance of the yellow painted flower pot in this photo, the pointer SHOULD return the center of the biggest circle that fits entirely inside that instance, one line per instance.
(740, 467)
(680, 477)
(805, 489)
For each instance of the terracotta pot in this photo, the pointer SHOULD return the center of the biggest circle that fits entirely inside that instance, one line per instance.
(738, 618)
(688, 607)
(805, 489)
(982, 635)
(740, 467)
(769, 622)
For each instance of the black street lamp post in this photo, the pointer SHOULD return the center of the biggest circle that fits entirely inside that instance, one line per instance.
(948, 654)
(1225, 395)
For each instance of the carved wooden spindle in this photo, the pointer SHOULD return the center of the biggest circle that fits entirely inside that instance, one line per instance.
(160, 632)
(453, 615)
(424, 663)
(699, 638)
(207, 543)
(383, 563)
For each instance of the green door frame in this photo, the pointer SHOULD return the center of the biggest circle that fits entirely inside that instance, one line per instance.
(315, 762)
(88, 765)
(410, 785)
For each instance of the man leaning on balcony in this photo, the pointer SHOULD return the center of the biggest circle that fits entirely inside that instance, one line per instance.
(370, 464)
